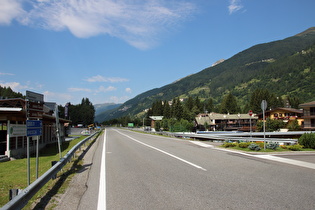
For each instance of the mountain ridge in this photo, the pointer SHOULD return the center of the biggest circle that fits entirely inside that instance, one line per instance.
(262, 65)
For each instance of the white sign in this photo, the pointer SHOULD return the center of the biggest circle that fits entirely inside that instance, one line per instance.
(17, 130)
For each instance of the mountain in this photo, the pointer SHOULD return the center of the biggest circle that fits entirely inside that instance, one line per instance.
(284, 67)
(101, 110)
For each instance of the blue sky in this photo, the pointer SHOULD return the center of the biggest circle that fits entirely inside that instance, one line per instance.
(111, 51)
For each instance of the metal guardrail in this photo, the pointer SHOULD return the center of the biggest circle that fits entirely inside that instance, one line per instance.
(19, 201)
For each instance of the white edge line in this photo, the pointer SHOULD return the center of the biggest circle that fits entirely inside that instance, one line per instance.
(162, 151)
(101, 204)
(274, 158)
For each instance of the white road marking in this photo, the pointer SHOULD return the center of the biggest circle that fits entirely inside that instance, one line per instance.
(102, 187)
(274, 158)
(162, 151)
(202, 144)
(288, 161)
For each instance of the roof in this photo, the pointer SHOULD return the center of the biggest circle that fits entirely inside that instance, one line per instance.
(156, 117)
(308, 104)
(290, 110)
(217, 116)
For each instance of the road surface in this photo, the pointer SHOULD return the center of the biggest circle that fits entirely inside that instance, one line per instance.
(129, 170)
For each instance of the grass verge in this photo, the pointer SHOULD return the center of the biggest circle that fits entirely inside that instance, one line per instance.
(13, 174)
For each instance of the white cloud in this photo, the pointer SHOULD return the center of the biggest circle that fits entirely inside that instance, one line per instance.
(235, 5)
(9, 10)
(15, 86)
(79, 90)
(100, 78)
(104, 90)
(128, 90)
(60, 97)
(6, 74)
(137, 22)
(117, 100)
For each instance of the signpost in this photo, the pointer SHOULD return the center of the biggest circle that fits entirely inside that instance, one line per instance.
(264, 107)
(250, 122)
(33, 127)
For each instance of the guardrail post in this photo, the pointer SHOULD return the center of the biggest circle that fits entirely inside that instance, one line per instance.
(13, 193)
(52, 164)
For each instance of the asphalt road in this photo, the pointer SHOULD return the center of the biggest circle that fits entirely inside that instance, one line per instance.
(145, 171)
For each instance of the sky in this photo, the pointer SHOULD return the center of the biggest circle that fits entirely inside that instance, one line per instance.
(110, 51)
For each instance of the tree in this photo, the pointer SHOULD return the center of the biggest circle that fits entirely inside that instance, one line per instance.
(229, 105)
(257, 97)
(166, 110)
(294, 101)
(208, 105)
(82, 113)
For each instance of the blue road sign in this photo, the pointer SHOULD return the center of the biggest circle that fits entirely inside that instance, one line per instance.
(34, 132)
(34, 124)
(34, 127)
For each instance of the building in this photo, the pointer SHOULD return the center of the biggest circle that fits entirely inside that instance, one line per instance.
(227, 122)
(308, 115)
(284, 114)
(13, 116)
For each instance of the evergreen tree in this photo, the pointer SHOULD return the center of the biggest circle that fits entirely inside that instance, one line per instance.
(294, 101)
(208, 105)
(166, 110)
(229, 105)
(257, 97)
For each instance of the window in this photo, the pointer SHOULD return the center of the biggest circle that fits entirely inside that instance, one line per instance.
(312, 109)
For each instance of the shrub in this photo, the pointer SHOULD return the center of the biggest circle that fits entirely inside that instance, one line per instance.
(284, 146)
(272, 145)
(296, 147)
(254, 146)
(244, 144)
(229, 144)
(307, 140)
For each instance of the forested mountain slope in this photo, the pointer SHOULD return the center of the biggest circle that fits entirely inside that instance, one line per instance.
(285, 67)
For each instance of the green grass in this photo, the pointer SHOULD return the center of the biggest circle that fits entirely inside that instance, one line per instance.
(13, 174)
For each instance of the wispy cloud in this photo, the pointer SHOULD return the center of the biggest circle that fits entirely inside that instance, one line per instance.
(128, 90)
(137, 22)
(104, 89)
(15, 86)
(117, 100)
(53, 96)
(235, 5)
(79, 90)
(100, 78)
(6, 74)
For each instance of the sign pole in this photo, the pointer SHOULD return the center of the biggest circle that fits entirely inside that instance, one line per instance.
(37, 155)
(264, 107)
(58, 129)
(250, 122)
(28, 148)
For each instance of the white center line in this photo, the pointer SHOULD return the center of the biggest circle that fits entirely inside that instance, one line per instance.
(101, 205)
(162, 151)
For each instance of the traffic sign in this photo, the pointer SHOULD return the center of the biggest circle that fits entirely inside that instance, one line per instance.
(263, 105)
(34, 132)
(34, 123)
(34, 128)
(250, 112)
